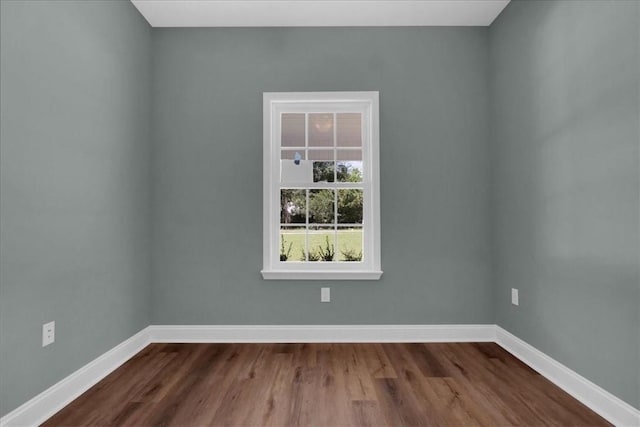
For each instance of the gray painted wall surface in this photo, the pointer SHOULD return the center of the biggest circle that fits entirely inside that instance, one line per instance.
(565, 134)
(207, 171)
(561, 221)
(74, 186)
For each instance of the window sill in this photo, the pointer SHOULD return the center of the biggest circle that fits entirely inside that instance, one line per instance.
(320, 275)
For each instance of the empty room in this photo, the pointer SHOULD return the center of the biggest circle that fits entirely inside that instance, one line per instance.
(319, 213)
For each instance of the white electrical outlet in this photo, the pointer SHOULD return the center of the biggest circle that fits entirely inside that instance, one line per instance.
(48, 333)
(325, 295)
(514, 297)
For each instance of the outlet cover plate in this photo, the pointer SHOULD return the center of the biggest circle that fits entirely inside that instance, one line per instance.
(48, 333)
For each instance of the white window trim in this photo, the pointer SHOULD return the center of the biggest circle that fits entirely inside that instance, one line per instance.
(273, 268)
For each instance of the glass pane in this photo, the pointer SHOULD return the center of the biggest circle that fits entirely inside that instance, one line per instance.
(349, 130)
(292, 243)
(349, 165)
(321, 130)
(292, 130)
(324, 167)
(323, 171)
(293, 206)
(350, 244)
(321, 155)
(322, 244)
(350, 206)
(291, 154)
(321, 206)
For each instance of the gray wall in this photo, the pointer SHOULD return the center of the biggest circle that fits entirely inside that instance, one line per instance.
(207, 171)
(74, 186)
(549, 96)
(565, 135)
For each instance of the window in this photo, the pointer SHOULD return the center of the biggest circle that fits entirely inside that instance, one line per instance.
(321, 186)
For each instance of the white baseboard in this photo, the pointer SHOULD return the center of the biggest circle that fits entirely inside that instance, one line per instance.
(47, 403)
(37, 410)
(322, 333)
(597, 399)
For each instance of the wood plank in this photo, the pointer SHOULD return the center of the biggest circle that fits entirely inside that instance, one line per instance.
(440, 384)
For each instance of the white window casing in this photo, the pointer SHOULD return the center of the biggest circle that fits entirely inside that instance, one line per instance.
(276, 104)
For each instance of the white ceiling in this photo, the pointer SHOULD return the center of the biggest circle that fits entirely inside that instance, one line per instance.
(319, 13)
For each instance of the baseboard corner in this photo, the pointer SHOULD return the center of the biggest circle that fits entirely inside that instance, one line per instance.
(44, 405)
(605, 404)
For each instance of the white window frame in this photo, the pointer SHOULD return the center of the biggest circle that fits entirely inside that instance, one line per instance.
(276, 103)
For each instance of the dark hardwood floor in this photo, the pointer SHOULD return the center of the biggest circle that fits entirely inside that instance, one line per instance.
(325, 385)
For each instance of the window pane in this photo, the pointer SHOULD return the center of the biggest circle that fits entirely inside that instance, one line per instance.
(292, 243)
(323, 165)
(323, 171)
(321, 155)
(349, 130)
(350, 206)
(292, 130)
(320, 130)
(321, 206)
(349, 165)
(349, 244)
(322, 246)
(293, 206)
(291, 154)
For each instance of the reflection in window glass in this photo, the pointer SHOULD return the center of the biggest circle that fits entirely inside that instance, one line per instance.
(321, 130)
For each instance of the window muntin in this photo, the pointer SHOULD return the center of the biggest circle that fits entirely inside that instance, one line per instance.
(321, 186)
